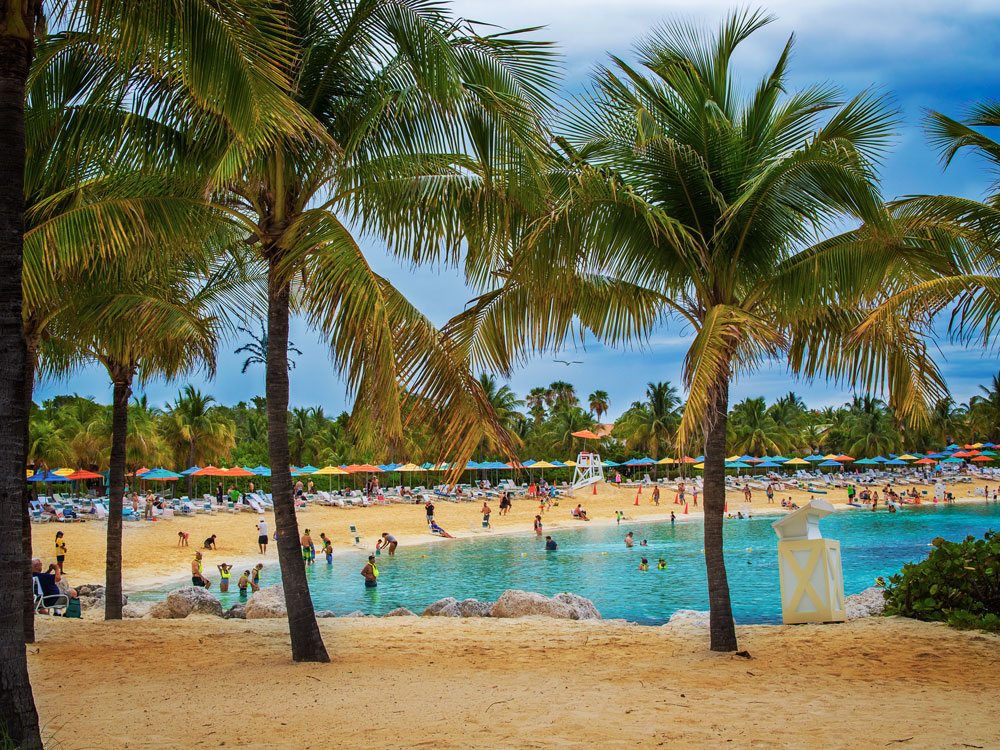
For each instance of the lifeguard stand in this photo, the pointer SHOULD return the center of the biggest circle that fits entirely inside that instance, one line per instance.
(812, 581)
(588, 470)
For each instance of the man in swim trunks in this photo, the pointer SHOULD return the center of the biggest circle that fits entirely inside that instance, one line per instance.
(486, 515)
(429, 509)
(370, 573)
(197, 577)
(307, 548)
(628, 539)
(262, 535)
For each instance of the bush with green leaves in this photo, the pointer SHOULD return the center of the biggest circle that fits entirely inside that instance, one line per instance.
(958, 583)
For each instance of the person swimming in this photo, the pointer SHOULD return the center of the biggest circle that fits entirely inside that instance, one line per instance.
(661, 565)
(644, 565)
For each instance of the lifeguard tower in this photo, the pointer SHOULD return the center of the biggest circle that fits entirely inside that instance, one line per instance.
(812, 580)
(589, 469)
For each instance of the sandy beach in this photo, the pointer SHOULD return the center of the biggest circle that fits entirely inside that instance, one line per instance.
(152, 557)
(529, 683)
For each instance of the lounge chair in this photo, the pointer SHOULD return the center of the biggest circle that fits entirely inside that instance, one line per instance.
(356, 535)
(55, 602)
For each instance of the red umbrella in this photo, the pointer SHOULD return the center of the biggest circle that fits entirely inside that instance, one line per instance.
(363, 467)
(843, 458)
(209, 471)
(983, 458)
(84, 474)
(236, 471)
(926, 461)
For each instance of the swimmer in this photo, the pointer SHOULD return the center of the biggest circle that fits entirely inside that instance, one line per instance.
(550, 544)
(370, 573)
(243, 583)
(628, 539)
(644, 565)
(225, 571)
(661, 565)
(643, 543)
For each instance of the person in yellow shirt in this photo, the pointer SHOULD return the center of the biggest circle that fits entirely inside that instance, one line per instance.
(60, 551)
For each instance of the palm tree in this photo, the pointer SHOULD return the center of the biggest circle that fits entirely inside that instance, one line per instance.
(678, 194)
(393, 107)
(301, 428)
(984, 410)
(537, 400)
(650, 426)
(754, 431)
(505, 405)
(563, 394)
(195, 432)
(256, 348)
(598, 403)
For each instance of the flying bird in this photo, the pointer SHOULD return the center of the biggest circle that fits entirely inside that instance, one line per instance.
(568, 363)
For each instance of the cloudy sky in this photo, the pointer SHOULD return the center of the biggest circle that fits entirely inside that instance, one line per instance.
(925, 55)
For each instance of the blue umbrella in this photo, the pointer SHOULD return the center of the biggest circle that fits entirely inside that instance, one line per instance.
(768, 465)
(528, 463)
(262, 471)
(609, 462)
(632, 462)
(699, 458)
(880, 460)
(778, 459)
(896, 462)
(952, 460)
(160, 474)
(557, 463)
(192, 470)
(746, 458)
(813, 458)
(951, 447)
(865, 461)
(829, 463)
(736, 465)
(48, 476)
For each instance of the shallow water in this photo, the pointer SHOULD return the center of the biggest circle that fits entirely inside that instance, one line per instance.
(595, 563)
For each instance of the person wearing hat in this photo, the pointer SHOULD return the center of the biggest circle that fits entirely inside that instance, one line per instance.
(262, 535)
(370, 573)
(60, 551)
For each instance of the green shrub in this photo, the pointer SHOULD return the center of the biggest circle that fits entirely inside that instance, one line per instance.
(958, 583)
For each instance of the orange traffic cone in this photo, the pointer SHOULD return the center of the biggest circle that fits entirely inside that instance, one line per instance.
(640, 488)
(685, 508)
(595, 488)
(726, 508)
(637, 498)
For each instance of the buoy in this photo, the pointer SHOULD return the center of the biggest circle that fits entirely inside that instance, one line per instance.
(604, 553)
(685, 509)
(524, 554)
(749, 549)
(423, 555)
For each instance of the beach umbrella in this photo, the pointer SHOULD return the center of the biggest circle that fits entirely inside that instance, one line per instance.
(830, 463)
(308, 469)
(84, 474)
(736, 465)
(865, 462)
(908, 457)
(778, 459)
(768, 465)
(983, 458)
(814, 458)
(161, 475)
(667, 460)
(330, 470)
(586, 435)
(558, 464)
(688, 460)
(796, 462)
(896, 462)
(951, 447)
(746, 458)
(138, 473)
(843, 458)
(63, 472)
(208, 471)
(190, 470)
(926, 461)
(48, 476)
(830, 457)
(951, 460)
(570, 463)
(236, 471)
(990, 445)
(631, 462)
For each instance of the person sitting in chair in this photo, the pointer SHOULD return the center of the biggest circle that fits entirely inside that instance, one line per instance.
(48, 584)
(435, 529)
(580, 513)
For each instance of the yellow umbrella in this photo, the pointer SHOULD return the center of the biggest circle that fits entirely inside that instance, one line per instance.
(830, 457)
(699, 466)
(410, 467)
(907, 457)
(796, 462)
(331, 470)
(667, 460)
(543, 465)
(570, 463)
(64, 472)
(734, 458)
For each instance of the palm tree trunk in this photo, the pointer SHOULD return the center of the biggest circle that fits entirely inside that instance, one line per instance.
(191, 478)
(17, 705)
(721, 628)
(307, 643)
(122, 378)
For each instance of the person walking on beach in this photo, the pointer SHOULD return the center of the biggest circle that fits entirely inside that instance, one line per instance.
(618, 517)
(197, 577)
(747, 493)
(629, 539)
(225, 571)
(60, 551)
(770, 492)
(486, 511)
(307, 548)
(255, 576)
(387, 542)
(429, 510)
(656, 495)
(370, 573)
(262, 535)
(538, 525)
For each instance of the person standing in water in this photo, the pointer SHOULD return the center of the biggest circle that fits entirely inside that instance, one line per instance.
(243, 583)
(673, 518)
(307, 548)
(197, 576)
(225, 571)
(255, 576)
(60, 551)
(538, 525)
(628, 539)
(370, 573)
(550, 544)
(387, 542)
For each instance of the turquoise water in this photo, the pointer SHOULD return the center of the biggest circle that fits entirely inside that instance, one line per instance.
(595, 563)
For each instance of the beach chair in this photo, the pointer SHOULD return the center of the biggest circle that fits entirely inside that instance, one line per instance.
(60, 602)
(38, 517)
(356, 536)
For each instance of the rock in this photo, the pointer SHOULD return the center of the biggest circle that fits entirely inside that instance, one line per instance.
(400, 612)
(90, 589)
(325, 613)
(136, 610)
(236, 612)
(268, 602)
(475, 608)
(160, 611)
(447, 607)
(355, 613)
(693, 617)
(585, 609)
(516, 603)
(868, 603)
(192, 600)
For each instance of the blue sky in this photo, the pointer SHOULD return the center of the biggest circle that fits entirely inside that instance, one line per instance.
(925, 55)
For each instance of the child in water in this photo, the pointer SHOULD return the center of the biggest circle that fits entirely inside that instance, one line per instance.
(328, 549)
(243, 583)
(644, 565)
(662, 564)
(255, 576)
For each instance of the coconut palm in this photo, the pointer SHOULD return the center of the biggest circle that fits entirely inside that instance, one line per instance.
(984, 411)
(650, 426)
(196, 433)
(678, 193)
(537, 400)
(422, 121)
(256, 348)
(505, 405)
(563, 394)
(598, 403)
(754, 431)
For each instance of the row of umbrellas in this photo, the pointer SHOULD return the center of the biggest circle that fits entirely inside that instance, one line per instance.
(978, 452)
